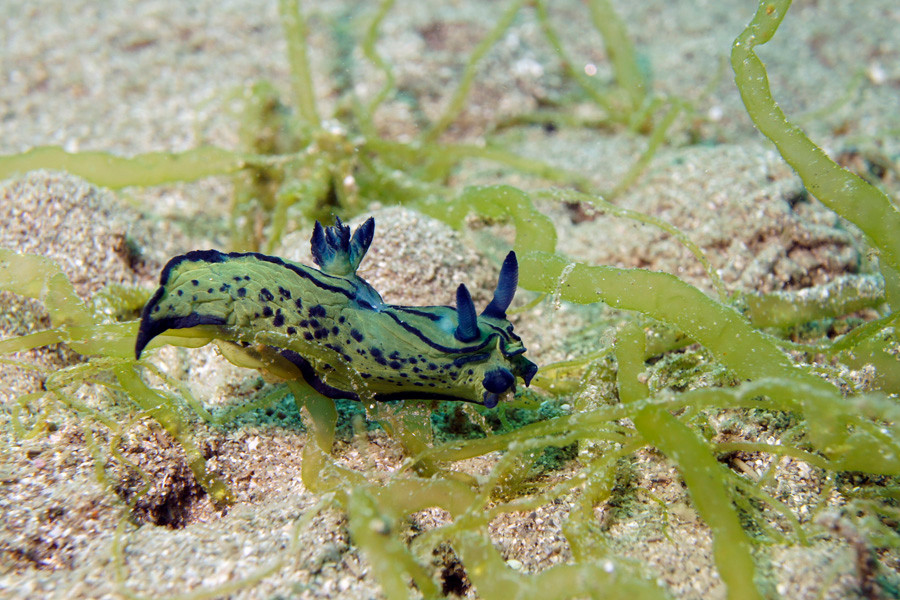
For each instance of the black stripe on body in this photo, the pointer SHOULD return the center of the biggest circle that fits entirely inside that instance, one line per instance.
(418, 333)
(421, 312)
(150, 328)
(215, 256)
(311, 376)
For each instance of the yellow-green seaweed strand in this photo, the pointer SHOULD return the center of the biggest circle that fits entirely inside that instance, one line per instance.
(720, 328)
(108, 170)
(698, 466)
(295, 34)
(850, 196)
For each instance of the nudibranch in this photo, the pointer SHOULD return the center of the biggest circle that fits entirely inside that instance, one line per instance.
(398, 352)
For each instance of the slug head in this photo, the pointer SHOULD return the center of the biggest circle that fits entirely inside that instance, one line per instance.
(503, 362)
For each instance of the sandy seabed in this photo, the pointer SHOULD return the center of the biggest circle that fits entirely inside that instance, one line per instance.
(133, 77)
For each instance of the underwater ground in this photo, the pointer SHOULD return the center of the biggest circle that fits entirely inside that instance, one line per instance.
(731, 433)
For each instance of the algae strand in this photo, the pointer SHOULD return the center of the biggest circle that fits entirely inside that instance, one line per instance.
(295, 34)
(850, 196)
(108, 170)
(698, 467)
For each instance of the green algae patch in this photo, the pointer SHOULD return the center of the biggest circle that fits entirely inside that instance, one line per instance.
(745, 350)
(85, 328)
(842, 430)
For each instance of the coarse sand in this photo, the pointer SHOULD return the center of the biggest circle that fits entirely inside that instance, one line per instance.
(133, 77)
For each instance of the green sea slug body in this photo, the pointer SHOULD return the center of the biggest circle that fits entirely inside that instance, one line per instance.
(398, 352)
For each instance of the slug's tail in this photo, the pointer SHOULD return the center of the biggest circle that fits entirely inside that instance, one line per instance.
(177, 304)
(246, 291)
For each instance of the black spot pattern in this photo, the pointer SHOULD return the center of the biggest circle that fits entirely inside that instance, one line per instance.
(395, 372)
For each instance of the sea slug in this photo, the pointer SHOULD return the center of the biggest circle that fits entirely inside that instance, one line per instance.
(398, 352)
